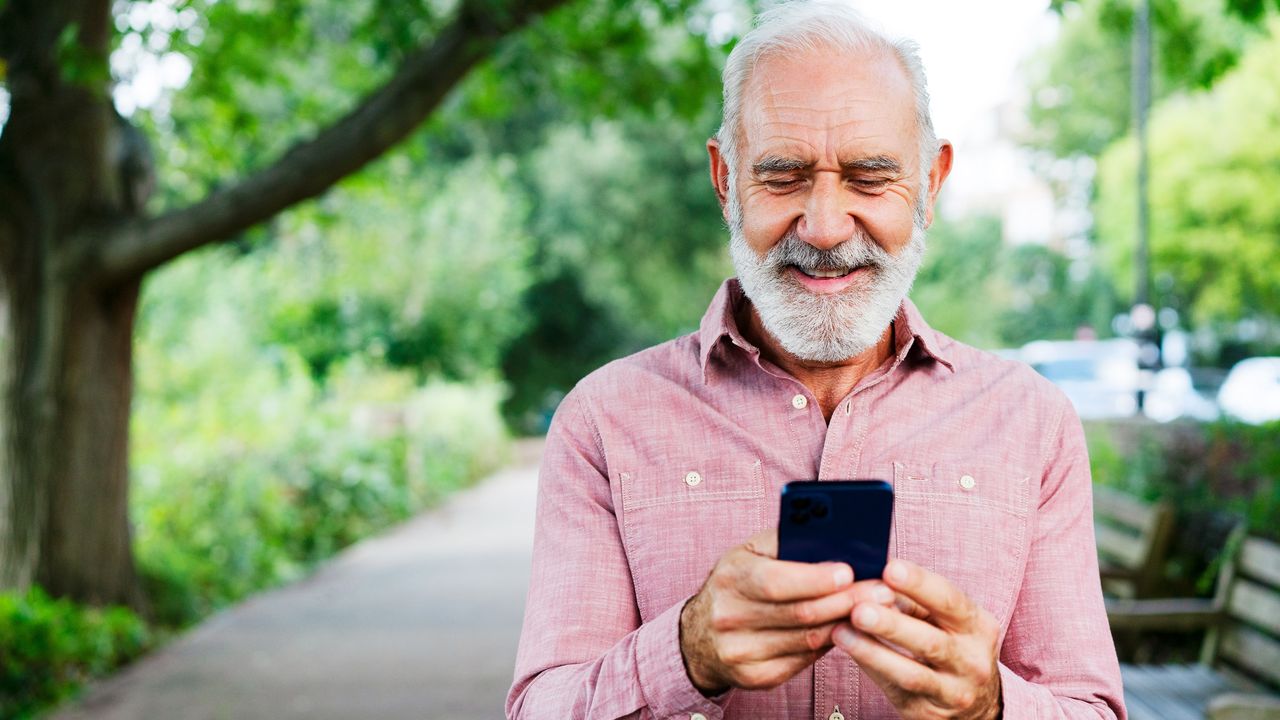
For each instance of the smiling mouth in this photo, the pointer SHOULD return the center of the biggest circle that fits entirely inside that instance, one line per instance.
(825, 273)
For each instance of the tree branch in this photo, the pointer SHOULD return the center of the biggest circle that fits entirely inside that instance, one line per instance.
(312, 166)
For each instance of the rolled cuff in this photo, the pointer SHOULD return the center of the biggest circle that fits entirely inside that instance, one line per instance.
(664, 682)
(1024, 699)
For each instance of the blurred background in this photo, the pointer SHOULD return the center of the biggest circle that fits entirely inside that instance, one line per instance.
(354, 360)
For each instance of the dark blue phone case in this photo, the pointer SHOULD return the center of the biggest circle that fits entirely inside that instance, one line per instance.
(837, 520)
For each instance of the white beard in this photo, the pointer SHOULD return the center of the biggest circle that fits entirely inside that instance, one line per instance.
(825, 328)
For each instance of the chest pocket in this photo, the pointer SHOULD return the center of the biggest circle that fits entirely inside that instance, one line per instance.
(679, 517)
(968, 523)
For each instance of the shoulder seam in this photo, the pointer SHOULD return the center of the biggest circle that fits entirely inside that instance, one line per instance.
(589, 419)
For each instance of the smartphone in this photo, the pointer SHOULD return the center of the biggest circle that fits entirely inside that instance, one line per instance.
(837, 520)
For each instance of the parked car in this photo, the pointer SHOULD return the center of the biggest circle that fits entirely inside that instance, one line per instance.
(1172, 395)
(1100, 377)
(1251, 391)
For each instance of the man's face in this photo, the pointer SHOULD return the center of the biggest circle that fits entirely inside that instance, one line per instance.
(823, 204)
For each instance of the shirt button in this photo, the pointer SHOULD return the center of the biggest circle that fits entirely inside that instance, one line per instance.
(697, 716)
(836, 715)
(799, 402)
(967, 482)
(692, 478)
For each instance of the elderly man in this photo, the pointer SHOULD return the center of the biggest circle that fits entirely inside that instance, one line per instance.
(656, 590)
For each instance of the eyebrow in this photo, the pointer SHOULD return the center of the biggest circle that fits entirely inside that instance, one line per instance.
(778, 164)
(876, 163)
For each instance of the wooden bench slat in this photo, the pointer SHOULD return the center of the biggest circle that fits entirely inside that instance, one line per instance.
(1171, 614)
(1261, 559)
(1145, 706)
(1123, 508)
(1252, 650)
(1125, 550)
(1244, 706)
(1174, 692)
(1141, 693)
(1256, 604)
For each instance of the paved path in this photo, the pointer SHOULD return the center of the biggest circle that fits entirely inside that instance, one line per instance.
(419, 623)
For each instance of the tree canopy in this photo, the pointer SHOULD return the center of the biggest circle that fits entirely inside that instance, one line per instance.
(1215, 238)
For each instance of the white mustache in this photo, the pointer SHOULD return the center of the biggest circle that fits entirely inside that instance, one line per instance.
(858, 251)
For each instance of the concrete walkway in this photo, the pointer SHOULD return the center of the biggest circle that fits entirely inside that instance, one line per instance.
(419, 623)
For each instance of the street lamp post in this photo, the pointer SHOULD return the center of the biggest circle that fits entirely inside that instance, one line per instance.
(1143, 313)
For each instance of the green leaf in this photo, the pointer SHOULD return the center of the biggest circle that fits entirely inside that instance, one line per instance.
(80, 66)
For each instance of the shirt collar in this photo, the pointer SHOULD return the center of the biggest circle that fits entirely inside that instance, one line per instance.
(720, 325)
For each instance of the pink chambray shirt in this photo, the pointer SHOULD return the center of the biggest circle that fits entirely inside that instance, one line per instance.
(992, 490)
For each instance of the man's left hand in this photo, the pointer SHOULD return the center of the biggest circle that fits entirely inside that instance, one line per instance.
(934, 655)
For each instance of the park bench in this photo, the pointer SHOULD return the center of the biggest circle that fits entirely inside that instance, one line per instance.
(1133, 538)
(1238, 675)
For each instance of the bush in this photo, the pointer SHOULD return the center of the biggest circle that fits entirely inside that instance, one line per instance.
(248, 468)
(1216, 475)
(48, 647)
(374, 451)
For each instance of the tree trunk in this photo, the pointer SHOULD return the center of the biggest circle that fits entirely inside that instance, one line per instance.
(65, 339)
(65, 460)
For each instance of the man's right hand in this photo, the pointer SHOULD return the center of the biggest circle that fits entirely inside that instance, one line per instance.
(757, 620)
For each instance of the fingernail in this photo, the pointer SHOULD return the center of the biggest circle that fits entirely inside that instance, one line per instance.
(844, 636)
(882, 594)
(843, 575)
(896, 571)
(866, 616)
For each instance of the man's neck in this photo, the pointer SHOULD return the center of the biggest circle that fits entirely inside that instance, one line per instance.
(829, 382)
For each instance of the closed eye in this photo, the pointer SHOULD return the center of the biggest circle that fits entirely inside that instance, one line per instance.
(782, 186)
(870, 184)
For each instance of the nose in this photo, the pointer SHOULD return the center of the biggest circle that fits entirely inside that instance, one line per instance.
(828, 213)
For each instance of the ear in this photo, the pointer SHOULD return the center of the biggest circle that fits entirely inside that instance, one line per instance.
(938, 175)
(719, 172)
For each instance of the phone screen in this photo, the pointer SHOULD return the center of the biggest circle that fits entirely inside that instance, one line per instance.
(839, 520)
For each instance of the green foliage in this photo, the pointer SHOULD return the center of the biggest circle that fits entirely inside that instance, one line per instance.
(264, 75)
(79, 65)
(246, 469)
(1080, 85)
(974, 288)
(1216, 475)
(1048, 302)
(1251, 10)
(629, 249)
(417, 270)
(1215, 233)
(48, 647)
(570, 166)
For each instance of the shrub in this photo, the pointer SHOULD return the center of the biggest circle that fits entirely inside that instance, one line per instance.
(1216, 475)
(373, 450)
(48, 647)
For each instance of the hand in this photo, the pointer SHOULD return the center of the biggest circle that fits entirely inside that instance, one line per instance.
(933, 653)
(757, 621)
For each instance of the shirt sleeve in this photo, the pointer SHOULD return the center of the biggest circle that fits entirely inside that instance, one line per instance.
(584, 652)
(1058, 659)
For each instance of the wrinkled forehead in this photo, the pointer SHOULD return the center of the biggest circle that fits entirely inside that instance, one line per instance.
(829, 103)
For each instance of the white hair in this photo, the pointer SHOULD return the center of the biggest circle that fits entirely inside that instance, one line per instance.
(807, 25)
